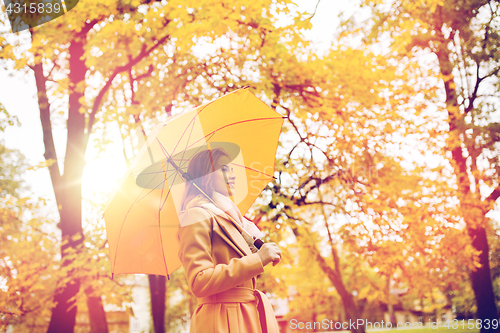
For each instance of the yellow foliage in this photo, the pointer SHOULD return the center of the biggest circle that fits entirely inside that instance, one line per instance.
(26, 267)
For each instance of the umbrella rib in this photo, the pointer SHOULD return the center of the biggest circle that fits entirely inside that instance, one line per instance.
(174, 175)
(154, 173)
(178, 171)
(185, 148)
(159, 220)
(199, 148)
(168, 156)
(166, 196)
(163, 182)
(252, 169)
(175, 167)
(192, 128)
(209, 135)
(180, 166)
(242, 122)
(150, 173)
(151, 190)
(136, 200)
(207, 138)
(169, 189)
(123, 224)
(228, 125)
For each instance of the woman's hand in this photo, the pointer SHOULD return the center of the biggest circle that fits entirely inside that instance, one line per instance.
(269, 252)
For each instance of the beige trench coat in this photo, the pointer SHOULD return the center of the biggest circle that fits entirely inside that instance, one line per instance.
(221, 272)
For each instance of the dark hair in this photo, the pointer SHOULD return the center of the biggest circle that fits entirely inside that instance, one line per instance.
(202, 164)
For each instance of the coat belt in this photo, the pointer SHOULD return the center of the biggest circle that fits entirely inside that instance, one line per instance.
(234, 295)
(244, 295)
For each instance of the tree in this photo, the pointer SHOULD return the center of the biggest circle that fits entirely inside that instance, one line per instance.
(106, 61)
(12, 161)
(11, 165)
(180, 302)
(336, 162)
(461, 38)
(27, 261)
(30, 269)
(309, 299)
(26, 256)
(344, 176)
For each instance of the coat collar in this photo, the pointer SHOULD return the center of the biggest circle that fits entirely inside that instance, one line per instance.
(227, 230)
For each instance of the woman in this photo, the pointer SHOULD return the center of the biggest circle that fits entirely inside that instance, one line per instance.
(220, 267)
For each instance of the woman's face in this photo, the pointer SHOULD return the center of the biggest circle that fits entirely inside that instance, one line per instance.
(223, 180)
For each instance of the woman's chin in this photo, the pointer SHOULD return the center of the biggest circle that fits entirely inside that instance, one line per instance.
(226, 192)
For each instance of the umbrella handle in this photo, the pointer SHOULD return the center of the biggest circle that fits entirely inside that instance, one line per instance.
(258, 242)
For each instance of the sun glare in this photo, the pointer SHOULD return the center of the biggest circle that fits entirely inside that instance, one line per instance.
(102, 175)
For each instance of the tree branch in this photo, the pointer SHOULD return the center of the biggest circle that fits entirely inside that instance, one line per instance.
(335, 255)
(473, 97)
(50, 154)
(98, 100)
(315, 9)
(494, 195)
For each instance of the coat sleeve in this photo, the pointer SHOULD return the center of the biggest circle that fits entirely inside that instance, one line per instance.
(204, 277)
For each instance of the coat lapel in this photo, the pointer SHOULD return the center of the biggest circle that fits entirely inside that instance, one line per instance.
(229, 232)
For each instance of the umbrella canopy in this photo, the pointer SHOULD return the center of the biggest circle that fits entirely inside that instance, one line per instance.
(142, 217)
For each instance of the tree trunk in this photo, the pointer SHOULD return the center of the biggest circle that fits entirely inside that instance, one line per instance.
(67, 188)
(69, 195)
(64, 313)
(64, 309)
(157, 289)
(66, 321)
(471, 205)
(351, 310)
(481, 279)
(97, 315)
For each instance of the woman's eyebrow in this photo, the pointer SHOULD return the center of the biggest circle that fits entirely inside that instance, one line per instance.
(226, 167)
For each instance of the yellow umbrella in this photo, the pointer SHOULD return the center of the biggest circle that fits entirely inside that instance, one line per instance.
(142, 216)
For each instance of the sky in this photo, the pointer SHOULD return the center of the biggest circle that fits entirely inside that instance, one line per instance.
(18, 96)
